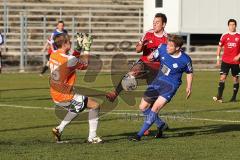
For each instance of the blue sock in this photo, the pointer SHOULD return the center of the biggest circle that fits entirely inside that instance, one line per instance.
(160, 123)
(147, 111)
(150, 119)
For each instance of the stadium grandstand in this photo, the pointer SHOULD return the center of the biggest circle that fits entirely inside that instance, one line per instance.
(116, 26)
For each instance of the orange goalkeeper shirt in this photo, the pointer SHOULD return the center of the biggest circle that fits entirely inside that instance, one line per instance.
(63, 76)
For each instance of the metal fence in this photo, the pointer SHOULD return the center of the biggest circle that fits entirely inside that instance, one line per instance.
(26, 31)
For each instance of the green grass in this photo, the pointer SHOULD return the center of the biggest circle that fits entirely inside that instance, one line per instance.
(197, 126)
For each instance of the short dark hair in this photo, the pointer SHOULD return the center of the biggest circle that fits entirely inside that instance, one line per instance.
(61, 21)
(176, 39)
(232, 20)
(61, 39)
(162, 16)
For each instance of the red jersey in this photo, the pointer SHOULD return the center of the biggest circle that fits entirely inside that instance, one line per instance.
(153, 41)
(231, 44)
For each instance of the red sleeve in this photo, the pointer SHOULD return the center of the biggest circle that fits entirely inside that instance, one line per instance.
(76, 53)
(50, 50)
(81, 66)
(222, 40)
(143, 37)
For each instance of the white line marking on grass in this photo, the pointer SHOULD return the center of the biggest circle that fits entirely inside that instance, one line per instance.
(127, 110)
(230, 111)
(183, 118)
(25, 107)
(48, 108)
(131, 114)
(203, 119)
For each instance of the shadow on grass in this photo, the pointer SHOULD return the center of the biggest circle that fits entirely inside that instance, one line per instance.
(53, 125)
(203, 130)
(112, 138)
(180, 132)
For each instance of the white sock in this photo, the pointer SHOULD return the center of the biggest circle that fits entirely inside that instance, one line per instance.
(68, 118)
(93, 122)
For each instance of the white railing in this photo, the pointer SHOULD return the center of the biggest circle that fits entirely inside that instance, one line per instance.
(44, 25)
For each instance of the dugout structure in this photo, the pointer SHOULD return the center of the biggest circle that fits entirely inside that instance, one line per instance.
(193, 16)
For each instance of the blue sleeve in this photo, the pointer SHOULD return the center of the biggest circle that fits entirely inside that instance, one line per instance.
(1, 39)
(159, 51)
(188, 68)
(156, 54)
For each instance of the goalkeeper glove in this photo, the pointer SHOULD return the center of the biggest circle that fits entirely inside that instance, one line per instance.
(79, 37)
(87, 42)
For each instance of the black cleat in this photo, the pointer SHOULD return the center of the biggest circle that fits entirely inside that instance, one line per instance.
(134, 138)
(165, 127)
(233, 100)
(160, 130)
(159, 133)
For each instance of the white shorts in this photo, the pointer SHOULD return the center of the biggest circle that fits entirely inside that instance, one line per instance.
(77, 104)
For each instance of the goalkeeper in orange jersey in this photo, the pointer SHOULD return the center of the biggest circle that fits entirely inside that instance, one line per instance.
(63, 68)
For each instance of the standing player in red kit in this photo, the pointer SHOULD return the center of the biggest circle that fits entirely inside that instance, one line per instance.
(230, 60)
(143, 68)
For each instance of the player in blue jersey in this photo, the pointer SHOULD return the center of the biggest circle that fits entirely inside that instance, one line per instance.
(59, 30)
(174, 62)
(50, 43)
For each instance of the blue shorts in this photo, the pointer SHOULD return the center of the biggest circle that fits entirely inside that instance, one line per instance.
(160, 88)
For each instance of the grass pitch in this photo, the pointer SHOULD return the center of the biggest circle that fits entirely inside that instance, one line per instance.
(199, 127)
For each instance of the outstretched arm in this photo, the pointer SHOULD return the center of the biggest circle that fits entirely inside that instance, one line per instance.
(218, 55)
(83, 62)
(154, 55)
(84, 56)
(140, 46)
(189, 85)
(45, 47)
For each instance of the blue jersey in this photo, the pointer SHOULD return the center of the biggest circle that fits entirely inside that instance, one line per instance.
(54, 34)
(169, 77)
(172, 67)
(57, 32)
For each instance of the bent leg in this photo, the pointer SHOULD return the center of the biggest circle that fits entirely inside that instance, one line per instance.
(235, 73)
(67, 119)
(225, 67)
(221, 86)
(153, 115)
(235, 88)
(134, 71)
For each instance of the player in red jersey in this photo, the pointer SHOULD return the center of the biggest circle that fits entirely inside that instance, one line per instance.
(230, 60)
(143, 68)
